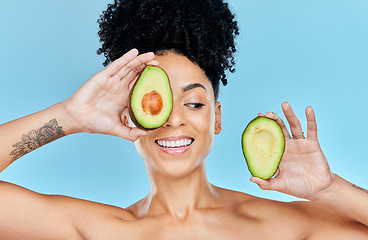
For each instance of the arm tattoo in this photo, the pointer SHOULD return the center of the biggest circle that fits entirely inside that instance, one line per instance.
(359, 188)
(37, 138)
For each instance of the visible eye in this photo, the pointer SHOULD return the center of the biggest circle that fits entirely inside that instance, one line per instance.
(194, 105)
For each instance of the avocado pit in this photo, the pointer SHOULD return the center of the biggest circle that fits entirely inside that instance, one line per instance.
(152, 103)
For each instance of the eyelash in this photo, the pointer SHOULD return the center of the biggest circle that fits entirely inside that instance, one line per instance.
(195, 105)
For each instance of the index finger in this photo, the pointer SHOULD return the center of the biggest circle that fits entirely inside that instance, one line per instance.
(134, 67)
(116, 65)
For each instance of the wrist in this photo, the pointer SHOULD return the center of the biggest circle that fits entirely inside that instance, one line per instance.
(330, 193)
(346, 198)
(65, 120)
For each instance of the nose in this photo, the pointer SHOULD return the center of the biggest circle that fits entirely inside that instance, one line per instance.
(176, 118)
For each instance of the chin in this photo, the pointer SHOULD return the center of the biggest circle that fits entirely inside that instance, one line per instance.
(175, 169)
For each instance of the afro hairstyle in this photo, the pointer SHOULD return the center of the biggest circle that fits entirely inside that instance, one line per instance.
(202, 30)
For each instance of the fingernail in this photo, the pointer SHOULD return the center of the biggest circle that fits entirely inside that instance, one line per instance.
(153, 62)
(151, 54)
(133, 50)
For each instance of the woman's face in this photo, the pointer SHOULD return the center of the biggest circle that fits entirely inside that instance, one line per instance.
(182, 143)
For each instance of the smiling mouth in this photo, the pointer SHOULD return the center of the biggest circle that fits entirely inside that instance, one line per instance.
(181, 143)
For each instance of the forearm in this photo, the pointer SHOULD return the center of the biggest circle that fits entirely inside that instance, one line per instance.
(347, 199)
(28, 133)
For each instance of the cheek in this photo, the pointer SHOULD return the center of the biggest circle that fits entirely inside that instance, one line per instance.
(204, 121)
(205, 127)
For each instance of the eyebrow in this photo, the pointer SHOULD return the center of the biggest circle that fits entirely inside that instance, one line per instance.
(193, 85)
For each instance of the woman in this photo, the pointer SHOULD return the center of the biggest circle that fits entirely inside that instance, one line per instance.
(194, 43)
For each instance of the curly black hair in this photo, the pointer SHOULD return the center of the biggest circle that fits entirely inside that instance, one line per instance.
(202, 30)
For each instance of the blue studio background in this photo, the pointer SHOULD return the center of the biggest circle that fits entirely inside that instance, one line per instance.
(304, 52)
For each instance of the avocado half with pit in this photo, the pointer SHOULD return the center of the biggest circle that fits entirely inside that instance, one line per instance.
(263, 145)
(151, 99)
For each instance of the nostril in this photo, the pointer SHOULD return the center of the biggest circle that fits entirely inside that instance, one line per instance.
(175, 119)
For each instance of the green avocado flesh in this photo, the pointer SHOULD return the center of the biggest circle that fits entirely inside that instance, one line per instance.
(263, 145)
(151, 99)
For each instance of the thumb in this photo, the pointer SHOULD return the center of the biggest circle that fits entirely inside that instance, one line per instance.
(127, 129)
(269, 184)
(129, 133)
(136, 133)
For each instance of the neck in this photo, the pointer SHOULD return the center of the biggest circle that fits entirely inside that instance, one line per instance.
(179, 196)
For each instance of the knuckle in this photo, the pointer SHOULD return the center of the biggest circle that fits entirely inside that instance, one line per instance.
(140, 59)
(295, 123)
(135, 70)
(116, 68)
(129, 67)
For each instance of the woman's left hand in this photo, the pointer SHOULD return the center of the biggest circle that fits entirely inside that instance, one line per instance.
(303, 171)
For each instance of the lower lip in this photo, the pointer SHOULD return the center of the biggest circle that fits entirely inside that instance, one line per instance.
(175, 151)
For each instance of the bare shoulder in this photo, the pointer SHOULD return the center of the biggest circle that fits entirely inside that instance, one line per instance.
(303, 218)
(31, 215)
(94, 220)
(80, 208)
(325, 223)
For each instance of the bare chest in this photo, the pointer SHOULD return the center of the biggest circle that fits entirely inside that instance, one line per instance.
(223, 228)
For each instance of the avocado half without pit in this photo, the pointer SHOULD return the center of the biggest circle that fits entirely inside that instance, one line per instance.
(263, 145)
(151, 99)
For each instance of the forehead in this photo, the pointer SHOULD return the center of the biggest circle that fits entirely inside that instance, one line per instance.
(182, 71)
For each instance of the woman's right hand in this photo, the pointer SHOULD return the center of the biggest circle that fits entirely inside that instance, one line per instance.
(100, 105)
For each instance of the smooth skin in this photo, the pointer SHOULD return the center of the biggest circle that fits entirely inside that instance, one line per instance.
(182, 204)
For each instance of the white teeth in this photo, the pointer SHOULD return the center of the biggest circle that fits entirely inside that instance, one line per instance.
(175, 144)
